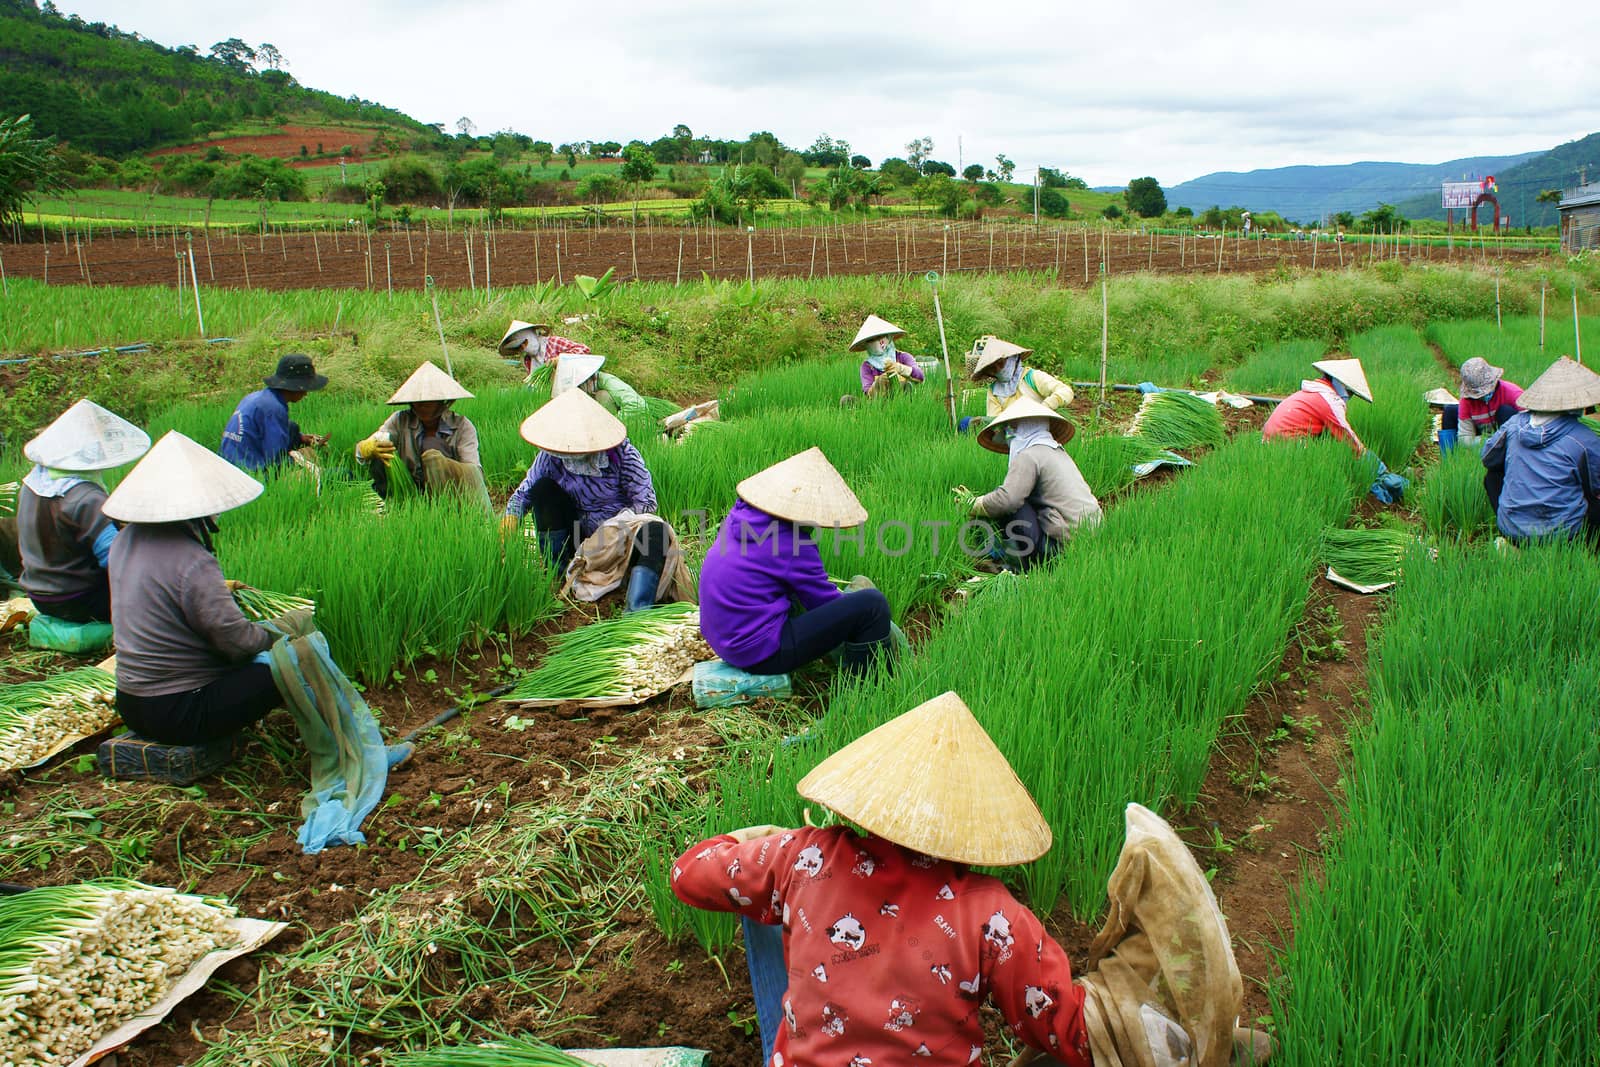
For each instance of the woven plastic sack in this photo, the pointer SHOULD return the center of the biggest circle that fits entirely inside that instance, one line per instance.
(1164, 989)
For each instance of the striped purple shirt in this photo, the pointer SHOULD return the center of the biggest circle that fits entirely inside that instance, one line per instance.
(625, 483)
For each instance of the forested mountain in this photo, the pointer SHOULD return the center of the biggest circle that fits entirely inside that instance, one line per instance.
(1563, 167)
(111, 92)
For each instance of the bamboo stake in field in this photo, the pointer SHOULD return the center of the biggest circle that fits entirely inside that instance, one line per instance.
(1577, 330)
(472, 277)
(1497, 300)
(411, 255)
(813, 271)
(388, 270)
(47, 266)
(949, 380)
(1313, 251)
(1541, 317)
(433, 294)
(487, 242)
(245, 260)
(558, 260)
(5, 287)
(749, 254)
(944, 263)
(1105, 333)
(194, 283)
(179, 261)
(677, 279)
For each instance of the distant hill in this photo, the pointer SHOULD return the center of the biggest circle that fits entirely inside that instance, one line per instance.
(1307, 193)
(1559, 168)
(113, 92)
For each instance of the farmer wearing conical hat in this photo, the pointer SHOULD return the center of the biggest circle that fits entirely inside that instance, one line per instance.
(765, 557)
(999, 363)
(1544, 464)
(582, 371)
(185, 652)
(1044, 498)
(535, 345)
(892, 943)
(64, 537)
(594, 503)
(884, 367)
(1319, 406)
(260, 433)
(438, 446)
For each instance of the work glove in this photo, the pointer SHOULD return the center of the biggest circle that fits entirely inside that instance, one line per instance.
(374, 447)
(509, 524)
(234, 585)
(313, 440)
(859, 582)
(750, 833)
(297, 623)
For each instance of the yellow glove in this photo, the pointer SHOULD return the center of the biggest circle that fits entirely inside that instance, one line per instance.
(750, 833)
(374, 447)
(509, 524)
(234, 584)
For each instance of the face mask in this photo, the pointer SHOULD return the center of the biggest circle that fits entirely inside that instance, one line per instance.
(880, 350)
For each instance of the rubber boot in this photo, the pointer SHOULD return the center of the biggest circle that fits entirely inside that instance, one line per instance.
(554, 545)
(856, 657)
(1447, 441)
(642, 584)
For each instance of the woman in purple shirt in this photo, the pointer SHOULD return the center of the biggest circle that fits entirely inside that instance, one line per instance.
(586, 473)
(883, 367)
(764, 557)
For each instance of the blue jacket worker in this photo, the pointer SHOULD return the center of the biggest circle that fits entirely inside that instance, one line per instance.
(260, 433)
(1543, 466)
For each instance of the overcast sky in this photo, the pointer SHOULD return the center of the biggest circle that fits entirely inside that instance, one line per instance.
(1123, 90)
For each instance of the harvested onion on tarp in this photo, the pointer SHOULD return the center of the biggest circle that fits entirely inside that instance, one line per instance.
(35, 717)
(637, 654)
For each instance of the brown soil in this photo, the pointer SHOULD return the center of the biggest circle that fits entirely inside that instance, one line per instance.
(286, 143)
(522, 257)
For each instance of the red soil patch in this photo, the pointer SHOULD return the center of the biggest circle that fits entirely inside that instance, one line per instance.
(286, 143)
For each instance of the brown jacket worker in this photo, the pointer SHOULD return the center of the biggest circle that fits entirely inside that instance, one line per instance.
(437, 446)
(260, 433)
(1044, 498)
(187, 671)
(63, 535)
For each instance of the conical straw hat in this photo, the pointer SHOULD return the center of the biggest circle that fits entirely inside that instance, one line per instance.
(426, 383)
(1349, 373)
(514, 331)
(180, 480)
(933, 781)
(1565, 386)
(573, 370)
(874, 327)
(1023, 407)
(87, 437)
(804, 488)
(991, 350)
(573, 424)
(1440, 398)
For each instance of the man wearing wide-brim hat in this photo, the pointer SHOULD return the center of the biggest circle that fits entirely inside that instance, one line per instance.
(1319, 407)
(765, 559)
(64, 537)
(260, 433)
(436, 447)
(1543, 466)
(594, 504)
(892, 942)
(1044, 498)
(186, 673)
(884, 366)
(535, 345)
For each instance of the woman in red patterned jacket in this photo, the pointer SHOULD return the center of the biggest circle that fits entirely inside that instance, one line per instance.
(891, 943)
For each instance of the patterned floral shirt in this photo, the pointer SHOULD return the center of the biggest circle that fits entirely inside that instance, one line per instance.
(890, 953)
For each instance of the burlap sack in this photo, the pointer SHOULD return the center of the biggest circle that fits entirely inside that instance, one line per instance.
(441, 472)
(1166, 991)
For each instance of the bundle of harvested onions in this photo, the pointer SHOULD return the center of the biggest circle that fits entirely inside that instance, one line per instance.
(633, 656)
(35, 717)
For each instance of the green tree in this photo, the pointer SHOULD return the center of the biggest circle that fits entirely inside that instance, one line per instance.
(1112, 211)
(896, 170)
(934, 166)
(792, 168)
(638, 167)
(918, 149)
(28, 167)
(1212, 218)
(543, 151)
(235, 55)
(1004, 168)
(269, 54)
(973, 173)
(1381, 219)
(1053, 204)
(1145, 198)
(1548, 196)
(861, 162)
(1344, 220)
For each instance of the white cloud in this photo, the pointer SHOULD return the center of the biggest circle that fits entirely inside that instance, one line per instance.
(1173, 90)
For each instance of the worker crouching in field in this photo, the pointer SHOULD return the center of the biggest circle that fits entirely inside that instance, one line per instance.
(1319, 407)
(534, 344)
(609, 391)
(64, 537)
(260, 433)
(892, 943)
(884, 369)
(999, 364)
(1487, 403)
(1044, 498)
(765, 557)
(1543, 466)
(186, 668)
(594, 503)
(437, 447)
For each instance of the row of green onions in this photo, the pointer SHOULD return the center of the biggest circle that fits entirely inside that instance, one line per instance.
(78, 960)
(503, 1052)
(35, 717)
(637, 653)
(260, 605)
(1366, 557)
(8, 498)
(1179, 421)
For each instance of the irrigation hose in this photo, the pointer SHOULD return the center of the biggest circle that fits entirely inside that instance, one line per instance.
(445, 716)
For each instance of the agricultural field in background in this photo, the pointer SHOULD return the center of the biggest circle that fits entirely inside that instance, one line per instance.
(1192, 647)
